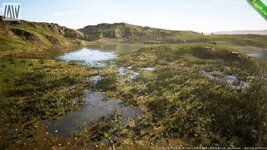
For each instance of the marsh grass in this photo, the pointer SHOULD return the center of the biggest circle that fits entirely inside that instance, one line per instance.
(180, 104)
(187, 105)
(39, 89)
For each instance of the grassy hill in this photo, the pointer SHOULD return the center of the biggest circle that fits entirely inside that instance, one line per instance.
(24, 35)
(134, 33)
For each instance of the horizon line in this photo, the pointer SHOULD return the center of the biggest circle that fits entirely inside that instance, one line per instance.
(123, 22)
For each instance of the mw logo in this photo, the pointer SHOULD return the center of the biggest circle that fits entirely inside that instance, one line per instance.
(11, 11)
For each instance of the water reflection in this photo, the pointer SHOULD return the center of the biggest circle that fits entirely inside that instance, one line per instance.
(119, 48)
(95, 107)
(89, 57)
(258, 54)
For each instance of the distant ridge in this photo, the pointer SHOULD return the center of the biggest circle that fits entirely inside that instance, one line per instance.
(135, 33)
(258, 32)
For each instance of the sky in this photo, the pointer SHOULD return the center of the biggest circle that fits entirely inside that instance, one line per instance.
(197, 15)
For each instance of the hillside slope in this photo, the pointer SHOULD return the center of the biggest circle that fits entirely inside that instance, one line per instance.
(134, 33)
(258, 41)
(24, 35)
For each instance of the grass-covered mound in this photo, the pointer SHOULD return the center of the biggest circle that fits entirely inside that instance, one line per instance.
(33, 36)
(183, 104)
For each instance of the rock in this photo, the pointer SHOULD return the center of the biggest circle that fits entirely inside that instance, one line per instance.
(24, 34)
(122, 71)
(51, 39)
(95, 79)
(236, 54)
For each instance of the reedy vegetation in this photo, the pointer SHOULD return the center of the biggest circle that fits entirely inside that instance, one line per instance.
(179, 102)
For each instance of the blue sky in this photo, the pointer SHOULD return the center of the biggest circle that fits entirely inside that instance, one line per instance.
(196, 15)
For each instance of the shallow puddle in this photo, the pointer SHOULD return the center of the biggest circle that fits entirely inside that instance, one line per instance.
(231, 80)
(258, 54)
(95, 107)
(149, 69)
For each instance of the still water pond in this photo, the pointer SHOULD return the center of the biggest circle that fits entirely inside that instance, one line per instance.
(89, 57)
(95, 55)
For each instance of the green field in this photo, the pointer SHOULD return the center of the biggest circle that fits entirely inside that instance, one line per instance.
(202, 91)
